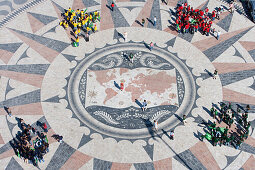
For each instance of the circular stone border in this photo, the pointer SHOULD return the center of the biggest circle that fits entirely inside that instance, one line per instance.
(85, 117)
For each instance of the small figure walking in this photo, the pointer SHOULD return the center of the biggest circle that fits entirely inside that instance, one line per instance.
(155, 125)
(144, 107)
(125, 36)
(218, 34)
(131, 57)
(151, 46)
(143, 22)
(122, 85)
(8, 110)
(154, 21)
(112, 5)
(184, 119)
(172, 135)
(215, 74)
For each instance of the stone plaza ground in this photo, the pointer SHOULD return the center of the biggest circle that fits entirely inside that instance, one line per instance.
(75, 90)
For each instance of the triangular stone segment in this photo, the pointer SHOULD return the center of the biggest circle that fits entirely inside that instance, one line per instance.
(62, 154)
(203, 154)
(54, 99)
(32, 79)
(247, 148)
(233, 96)
(187, 36)
(155, 12)
(239, 22)
(5, 56)
(222, 16)
(11, 47)
(21, 26)
(146, 165)
(202, 6)
(144, 14)
(233, 67)
(170, 29)
(78, 4)
(212, 41)
(225, 22)
(59, 10)
(34, 23)
(46, 47)
(90, 3)
(171, 42)
(39, 69)
(88, 165)
(248, 45)
(84, 140)
(130, 14)
(27, 109)
(215, 51)
(106, 21)
(76, 161)
(69, 57)
(117, 18)
(122, 166)
(43, 18)
(31, 57)
(31, 97)
(163, 164)
(1, 139)
(122, 0)
(149, 150)
(252, 53)
(100, 164)
(19, 88)
(250, 163)
(250, 140)
(13, 164)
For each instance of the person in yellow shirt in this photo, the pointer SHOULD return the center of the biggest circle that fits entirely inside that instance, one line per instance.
(83, 23)
(65, 24)
(95, 28)
(79, 31)
(88, 30)
(75, 26)
(76, 33)
(61, 23)
(69, 9)
(78, 13)
(82, 14)
(77, 41)
(79, 24)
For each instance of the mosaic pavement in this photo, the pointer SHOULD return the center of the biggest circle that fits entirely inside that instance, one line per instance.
(76, 90)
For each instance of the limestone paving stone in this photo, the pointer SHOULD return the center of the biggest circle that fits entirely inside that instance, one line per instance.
(76, 90)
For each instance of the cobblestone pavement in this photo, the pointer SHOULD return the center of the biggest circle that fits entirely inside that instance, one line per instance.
(76, 91)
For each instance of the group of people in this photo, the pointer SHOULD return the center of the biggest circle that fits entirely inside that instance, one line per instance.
(31, 145)
(80, 20)
(226, 114)
(193, 20)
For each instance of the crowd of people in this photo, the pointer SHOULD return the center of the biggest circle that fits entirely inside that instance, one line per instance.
(80, 20)
(189, 20)
(226, 114)
(30, 144)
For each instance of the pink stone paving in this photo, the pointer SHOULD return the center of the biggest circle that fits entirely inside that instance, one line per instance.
(78, 4)
(145, 13)
(203, 154)
(222, 16)
(233, 67)
(249, 164)
(164, 164)
(171, 29)
(44, 51)
(172, 2)
(1, 139)
(7, 154)
(106, 17)
(212, 41)
(248, 45)
(76, 161)
(201, 6)
(32, 79)
(5, 56)
(250, 141)
(34, 23)
(27, 109)
(233, 96)
(122, 166)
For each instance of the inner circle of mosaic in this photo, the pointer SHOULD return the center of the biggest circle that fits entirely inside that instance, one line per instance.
(155, 76)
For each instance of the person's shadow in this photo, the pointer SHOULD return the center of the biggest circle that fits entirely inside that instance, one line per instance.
(121, 35)
(146, 45)
(209, 73)
(138, 22)
(116, 85)
(138, 103)
(149, 20)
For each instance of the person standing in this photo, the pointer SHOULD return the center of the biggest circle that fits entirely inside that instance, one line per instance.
(184, 119)
(131, 57)
(155, 125)
(125, 36)
(215, 74)
(77, 41)
(154, 21)
(144, 106)
(151, 46)
(143, 22)
(218, 35)
(172, 135)
(112, 5)
(122, 85)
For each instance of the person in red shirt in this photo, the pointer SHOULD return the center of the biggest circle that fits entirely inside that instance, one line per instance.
(187, 28)
(185, 4)
(213, 15)
(207, 31)
(204, 29)
(206, 10)
(112, 5)
(188, 8)
(196, 27)
(196, 10)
